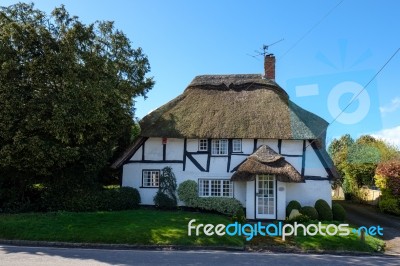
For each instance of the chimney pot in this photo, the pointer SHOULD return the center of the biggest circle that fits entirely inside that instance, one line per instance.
(269, 66)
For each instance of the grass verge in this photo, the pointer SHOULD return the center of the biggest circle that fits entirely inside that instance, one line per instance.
(156, 227)
(143, 226)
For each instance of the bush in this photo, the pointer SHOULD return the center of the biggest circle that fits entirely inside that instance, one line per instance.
(309, 211)
(166, 194)
(239, 217)
(299, 219)
(187, 192)
(292, 206)
(228, 206)
(324, 211)
(338, 212)
(389, 205)
(163, 201)
(124, 198)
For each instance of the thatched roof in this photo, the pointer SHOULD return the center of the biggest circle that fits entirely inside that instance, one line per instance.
(266, 161)
(233, 106)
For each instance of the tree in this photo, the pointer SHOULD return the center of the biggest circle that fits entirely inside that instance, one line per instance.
(166, 194)
(387, 178)
(357, 160)
(67, 93)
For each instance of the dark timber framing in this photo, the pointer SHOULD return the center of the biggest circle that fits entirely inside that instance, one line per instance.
(164, 151)
(321, 158)
(279, 146)
(184, 153)
(303, 160)
(206, 168)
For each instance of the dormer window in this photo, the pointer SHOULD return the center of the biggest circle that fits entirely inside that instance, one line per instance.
(219, 147)
(237, 145)
(203, 145)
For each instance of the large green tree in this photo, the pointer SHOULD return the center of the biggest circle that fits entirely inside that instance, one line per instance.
(66, 95)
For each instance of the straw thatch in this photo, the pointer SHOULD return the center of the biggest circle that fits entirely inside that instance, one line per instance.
(266, 161)
(233, 106)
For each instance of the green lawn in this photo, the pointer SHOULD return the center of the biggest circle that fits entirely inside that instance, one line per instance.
(147, 227)
(155, 227)
(351, 242)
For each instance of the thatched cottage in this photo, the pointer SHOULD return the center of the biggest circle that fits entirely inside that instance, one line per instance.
(236, 136)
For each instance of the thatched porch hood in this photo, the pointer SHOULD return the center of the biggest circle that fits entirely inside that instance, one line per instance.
(266, 161)
(233, 106)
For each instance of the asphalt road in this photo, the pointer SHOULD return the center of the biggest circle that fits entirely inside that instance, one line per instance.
(365, 215)
(32, 256)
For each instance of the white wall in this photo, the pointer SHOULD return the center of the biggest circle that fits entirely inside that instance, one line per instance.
(292, 147)
(250, 194)
(174, 149)
(239, 192)
(153, 149)
(314, 166)
(308, 193)
(281, 200)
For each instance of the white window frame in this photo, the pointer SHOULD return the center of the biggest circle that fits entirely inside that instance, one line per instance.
(237, 142)
(217, 149)
(215, 188)
(151, 178)
(203, 144)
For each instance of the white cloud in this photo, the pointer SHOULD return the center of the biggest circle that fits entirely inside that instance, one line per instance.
(389, 108)
(391, 135)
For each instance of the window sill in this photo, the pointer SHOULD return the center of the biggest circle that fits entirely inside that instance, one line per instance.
(148, 187)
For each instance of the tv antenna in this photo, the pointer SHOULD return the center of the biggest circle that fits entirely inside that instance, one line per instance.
(264, 50)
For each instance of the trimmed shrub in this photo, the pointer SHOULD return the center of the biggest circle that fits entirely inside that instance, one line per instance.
(338, 212)
(324, 211)
(294, 204)
(309, 211)
(228, 206)
(299, 219)
(187, 192)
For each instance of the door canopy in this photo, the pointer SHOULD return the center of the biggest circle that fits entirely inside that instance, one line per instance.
(266, 161)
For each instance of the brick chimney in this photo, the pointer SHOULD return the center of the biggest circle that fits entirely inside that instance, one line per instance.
(269, 66)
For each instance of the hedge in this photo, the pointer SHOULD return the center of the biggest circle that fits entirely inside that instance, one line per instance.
(188, 193)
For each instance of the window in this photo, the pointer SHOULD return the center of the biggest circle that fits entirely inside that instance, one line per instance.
(237, 145)
(215, 188)
(219, 147)
(151, 178)
(203, 144)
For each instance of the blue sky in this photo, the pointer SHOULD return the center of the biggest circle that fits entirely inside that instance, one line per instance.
(330, 49)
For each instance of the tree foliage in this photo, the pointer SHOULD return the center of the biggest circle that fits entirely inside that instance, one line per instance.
(166, 194)
(67, 92)
(357, 160)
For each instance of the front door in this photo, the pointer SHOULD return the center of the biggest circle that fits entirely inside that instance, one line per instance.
(265, 197)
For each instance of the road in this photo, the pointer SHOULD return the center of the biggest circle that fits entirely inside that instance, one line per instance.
(35, 256)
(368, 216)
